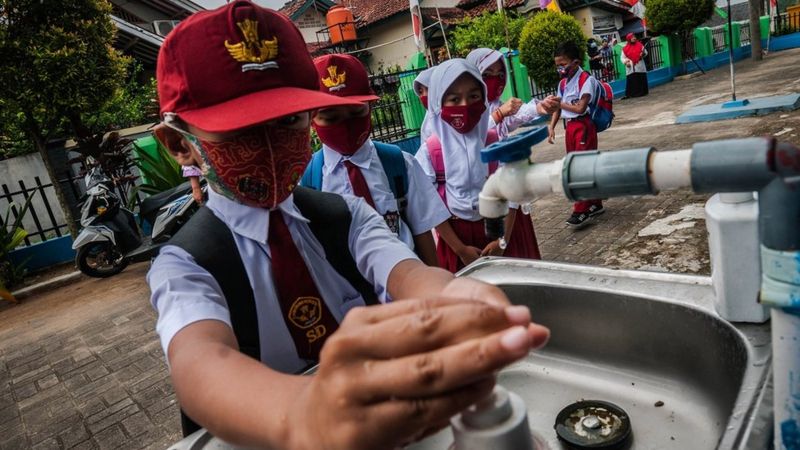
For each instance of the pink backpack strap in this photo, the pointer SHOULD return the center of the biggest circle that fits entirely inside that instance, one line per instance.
(437, 161)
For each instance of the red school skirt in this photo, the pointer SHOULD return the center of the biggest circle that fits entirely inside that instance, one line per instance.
(521, 244)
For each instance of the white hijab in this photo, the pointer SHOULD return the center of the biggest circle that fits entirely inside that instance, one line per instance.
(464, 171)
(483, 58)
(424, 79)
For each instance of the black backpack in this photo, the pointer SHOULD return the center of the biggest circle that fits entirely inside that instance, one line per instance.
(211, 243)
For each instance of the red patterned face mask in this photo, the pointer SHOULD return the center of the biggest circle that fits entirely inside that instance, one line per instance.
(424, 100)
(261, 166)
(463, 118)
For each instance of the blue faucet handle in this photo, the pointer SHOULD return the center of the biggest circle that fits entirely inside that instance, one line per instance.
(515, 148)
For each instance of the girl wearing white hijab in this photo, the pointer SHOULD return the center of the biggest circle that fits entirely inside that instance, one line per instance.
(421, 89)
(506, 117)
(459, 120)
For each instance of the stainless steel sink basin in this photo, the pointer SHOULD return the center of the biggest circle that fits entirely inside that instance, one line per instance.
(636, 339)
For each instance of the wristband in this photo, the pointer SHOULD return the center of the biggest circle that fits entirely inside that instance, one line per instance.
(498, 116)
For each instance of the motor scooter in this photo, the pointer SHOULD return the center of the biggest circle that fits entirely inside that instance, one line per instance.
(111, 238)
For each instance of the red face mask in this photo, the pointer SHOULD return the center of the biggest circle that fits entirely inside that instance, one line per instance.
(463, 118)
(347, 136)
(494, 86)
(259, 167)
(424, 100)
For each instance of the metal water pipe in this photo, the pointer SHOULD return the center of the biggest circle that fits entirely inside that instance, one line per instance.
(736, 165)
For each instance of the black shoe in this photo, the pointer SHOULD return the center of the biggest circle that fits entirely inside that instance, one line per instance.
(579, 220)
(596, 210)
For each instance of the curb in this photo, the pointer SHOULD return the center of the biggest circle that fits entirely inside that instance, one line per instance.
(48, 285)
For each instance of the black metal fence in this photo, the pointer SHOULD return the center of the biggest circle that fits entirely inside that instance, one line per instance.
(41, 211)
(718, 38)
(542, 92)
(388, 122)
(604, 68)
(689, 48)
(744, 34)
(654, 58)
(786, 23)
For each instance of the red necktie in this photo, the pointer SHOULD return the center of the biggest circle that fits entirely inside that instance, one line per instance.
(358, 183)
(306, 315)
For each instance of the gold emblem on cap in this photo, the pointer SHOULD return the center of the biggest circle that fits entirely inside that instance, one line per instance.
(305, 312)
(256, 52)
(334, 81)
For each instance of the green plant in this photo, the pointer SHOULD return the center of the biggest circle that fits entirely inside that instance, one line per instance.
(59, 69)
(161, 172)
(486, 30)
(539, 39)
(678, 17)
(11, 236)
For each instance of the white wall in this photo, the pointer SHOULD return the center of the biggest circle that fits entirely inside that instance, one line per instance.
(439, 3)
(309, 23)
(25, 168)
(397, 52)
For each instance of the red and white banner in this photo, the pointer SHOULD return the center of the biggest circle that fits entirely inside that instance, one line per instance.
(416, 24)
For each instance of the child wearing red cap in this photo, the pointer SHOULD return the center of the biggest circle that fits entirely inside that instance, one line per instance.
(264, 280)
(387, 178)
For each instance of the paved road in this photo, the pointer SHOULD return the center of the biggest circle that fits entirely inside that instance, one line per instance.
(81, 367)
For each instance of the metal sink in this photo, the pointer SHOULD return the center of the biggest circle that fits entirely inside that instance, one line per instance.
(636, 339)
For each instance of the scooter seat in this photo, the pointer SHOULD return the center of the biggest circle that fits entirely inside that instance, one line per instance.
(152, 204)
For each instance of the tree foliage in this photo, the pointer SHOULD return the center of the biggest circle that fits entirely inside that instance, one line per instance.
(539, 39)
(136, 103)
(486, 30)
(58, 67)
(677, 16)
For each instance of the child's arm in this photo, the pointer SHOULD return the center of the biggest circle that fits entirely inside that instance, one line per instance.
(493, 249)
(343, 406)
(466, 253)
(197, 192)
(425, 248)
(578, 108)
(551, 137)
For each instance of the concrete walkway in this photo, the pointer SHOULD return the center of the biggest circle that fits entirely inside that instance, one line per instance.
(81, 366)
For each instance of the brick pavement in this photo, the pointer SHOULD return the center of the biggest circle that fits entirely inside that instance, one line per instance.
(81, 367)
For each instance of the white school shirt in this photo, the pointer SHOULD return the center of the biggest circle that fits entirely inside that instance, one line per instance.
(572, 94)
(424, 210)
(466, 175)
(526, 113)
(184, 293)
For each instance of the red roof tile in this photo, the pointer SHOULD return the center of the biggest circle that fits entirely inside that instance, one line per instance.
(292, 7)
(477, 7)
(449, 16)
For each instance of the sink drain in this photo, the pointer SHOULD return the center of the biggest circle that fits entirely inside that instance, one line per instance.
(593, 424)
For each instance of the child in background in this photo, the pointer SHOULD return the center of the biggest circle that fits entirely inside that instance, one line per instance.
(581, 134)
(508, 116)
(458, 108)
(185, 155)
(351, 163)
(421, 89)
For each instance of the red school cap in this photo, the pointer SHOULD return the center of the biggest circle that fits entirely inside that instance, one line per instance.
(237, 66)
(344, 76)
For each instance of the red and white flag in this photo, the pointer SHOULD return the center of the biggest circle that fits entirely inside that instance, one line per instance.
(416, 24)
(637, 8)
